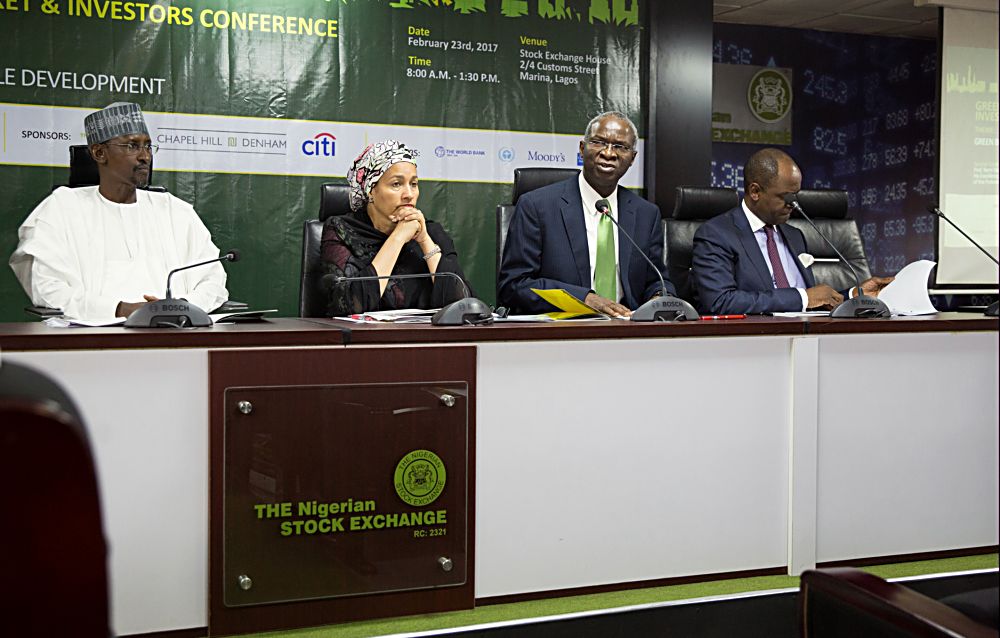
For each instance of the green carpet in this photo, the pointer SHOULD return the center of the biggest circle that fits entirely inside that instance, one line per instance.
(554, 606)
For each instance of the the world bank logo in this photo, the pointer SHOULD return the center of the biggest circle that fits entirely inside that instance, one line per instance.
(440, 151)
(769, 96)
(506, 154)
(420, 477)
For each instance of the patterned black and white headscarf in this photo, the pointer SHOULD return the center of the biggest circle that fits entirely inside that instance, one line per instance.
(373, 162)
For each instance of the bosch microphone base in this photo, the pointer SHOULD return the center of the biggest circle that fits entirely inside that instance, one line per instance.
(665, 309)
(861, 307)
(168, 313)
(468, 311)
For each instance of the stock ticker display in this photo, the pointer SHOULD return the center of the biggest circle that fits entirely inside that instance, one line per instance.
(864, 115)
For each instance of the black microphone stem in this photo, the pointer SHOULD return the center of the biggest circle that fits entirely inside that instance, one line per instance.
(465, 288)
(937, 211)
(229, 256)
(607, 212)
(666, 307)
(857, 277)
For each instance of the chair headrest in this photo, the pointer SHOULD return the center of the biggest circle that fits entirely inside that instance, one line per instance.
(82, 167)
(704, 202)
(334, 199)
(825, 203)
(528, 179)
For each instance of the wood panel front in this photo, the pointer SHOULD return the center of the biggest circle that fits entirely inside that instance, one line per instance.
(364, 411)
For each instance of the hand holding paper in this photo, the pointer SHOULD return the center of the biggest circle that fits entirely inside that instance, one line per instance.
(570, 306)
(907, 294)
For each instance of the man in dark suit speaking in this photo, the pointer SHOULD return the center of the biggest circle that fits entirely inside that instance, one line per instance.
(748, 260)
(558, 239)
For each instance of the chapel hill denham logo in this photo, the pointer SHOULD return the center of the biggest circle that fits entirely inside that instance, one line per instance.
(419, 478)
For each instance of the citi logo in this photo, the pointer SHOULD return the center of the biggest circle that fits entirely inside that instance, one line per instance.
(323, 145)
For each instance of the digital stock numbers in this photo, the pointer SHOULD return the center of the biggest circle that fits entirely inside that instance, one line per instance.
(864, 113)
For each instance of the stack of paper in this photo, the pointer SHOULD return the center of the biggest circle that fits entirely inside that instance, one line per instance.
(907, 294)
(404, 315)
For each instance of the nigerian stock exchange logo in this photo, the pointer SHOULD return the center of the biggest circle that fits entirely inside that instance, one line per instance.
(419, 477)
(769, 96)
(322, 145)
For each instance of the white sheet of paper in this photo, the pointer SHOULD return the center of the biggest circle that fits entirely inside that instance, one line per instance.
(404, 315)
(65, 322)
(907, 294)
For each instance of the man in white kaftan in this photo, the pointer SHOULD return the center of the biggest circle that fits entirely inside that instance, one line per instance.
(101, 252)
(85, 254)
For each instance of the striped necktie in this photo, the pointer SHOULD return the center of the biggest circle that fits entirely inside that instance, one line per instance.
(780, 279)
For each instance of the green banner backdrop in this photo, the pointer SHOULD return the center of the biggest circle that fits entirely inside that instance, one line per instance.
(478, 86)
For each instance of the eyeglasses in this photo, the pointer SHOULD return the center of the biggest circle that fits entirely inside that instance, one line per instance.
(131, 148)
(600, 145)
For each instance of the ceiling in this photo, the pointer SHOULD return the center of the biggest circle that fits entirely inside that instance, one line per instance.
(872, 17)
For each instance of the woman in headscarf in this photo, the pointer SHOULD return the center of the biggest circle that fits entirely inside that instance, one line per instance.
(386, 234)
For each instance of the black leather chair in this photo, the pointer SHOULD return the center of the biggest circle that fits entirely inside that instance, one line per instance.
(693, 205)
(846, 602)
(828, 209)
(525, 181)
(334, 199)
(83, 169)
(55, 565)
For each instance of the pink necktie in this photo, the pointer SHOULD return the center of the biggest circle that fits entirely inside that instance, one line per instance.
(780, 280)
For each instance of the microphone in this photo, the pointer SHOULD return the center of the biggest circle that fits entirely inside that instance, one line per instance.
(232, 255)
(466, 311)
(992, 309)
(175, 313)
(860, 307)
(663, 308)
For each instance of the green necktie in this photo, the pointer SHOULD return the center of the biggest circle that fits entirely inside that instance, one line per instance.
(604, 271)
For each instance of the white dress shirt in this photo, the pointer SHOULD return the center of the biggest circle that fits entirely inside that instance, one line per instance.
(788, 260)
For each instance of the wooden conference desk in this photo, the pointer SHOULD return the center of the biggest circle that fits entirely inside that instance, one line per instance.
(605, 453)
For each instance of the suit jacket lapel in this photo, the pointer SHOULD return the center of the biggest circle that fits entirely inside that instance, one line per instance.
(576, 230)
(797, 248)
(752, 248)
(626, 219)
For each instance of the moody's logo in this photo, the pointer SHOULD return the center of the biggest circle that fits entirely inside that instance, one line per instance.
(323, 145)
(554, 158)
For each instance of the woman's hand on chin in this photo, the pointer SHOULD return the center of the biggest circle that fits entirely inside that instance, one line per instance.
(408, 215)
(406, 230)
